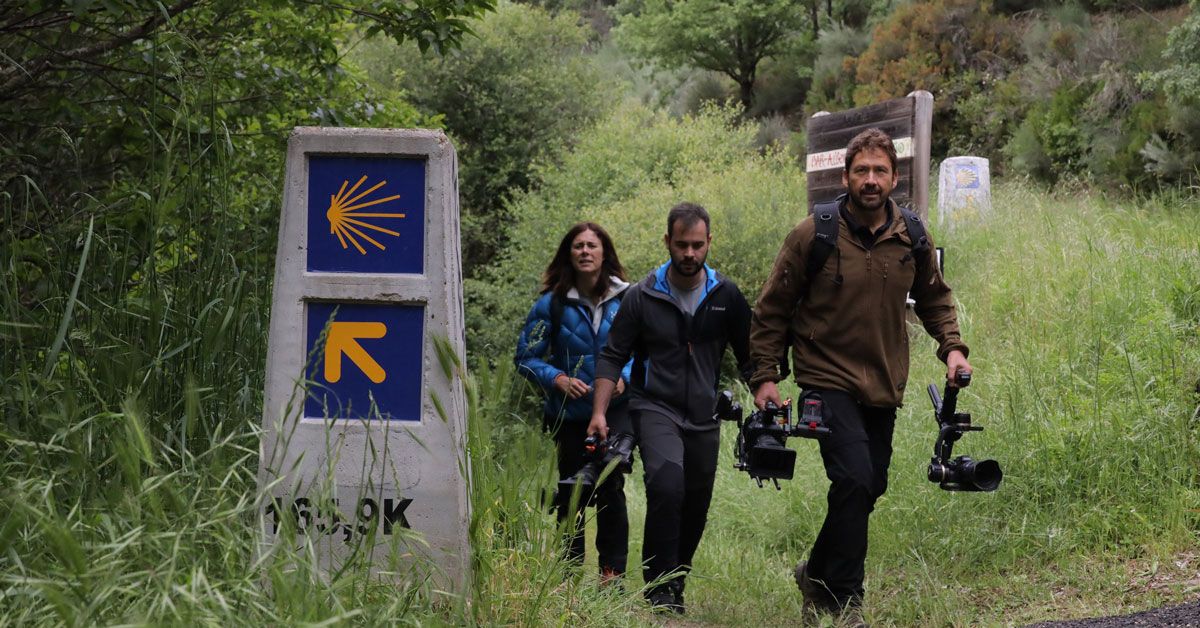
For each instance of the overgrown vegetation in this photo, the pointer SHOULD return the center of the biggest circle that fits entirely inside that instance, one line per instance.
(139, 198)
(514, 95)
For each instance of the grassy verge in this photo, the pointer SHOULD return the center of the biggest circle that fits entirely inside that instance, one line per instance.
(129, 447)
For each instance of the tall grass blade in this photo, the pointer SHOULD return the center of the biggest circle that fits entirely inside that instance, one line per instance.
(61, 336)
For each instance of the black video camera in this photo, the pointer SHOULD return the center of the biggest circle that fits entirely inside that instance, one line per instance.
(598, 455)
(961, 473)
(760, 446)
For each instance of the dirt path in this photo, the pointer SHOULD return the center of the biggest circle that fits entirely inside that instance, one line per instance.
(1180, 615)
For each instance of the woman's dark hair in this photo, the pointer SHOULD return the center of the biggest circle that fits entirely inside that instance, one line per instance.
(560, 274)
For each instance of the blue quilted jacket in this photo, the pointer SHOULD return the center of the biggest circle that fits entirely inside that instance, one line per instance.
(574, 354)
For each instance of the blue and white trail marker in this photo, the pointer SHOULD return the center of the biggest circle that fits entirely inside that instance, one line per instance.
(363, 432)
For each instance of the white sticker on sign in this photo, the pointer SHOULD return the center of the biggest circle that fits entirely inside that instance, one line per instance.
(831, 159)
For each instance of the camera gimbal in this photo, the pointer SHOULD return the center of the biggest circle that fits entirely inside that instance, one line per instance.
(961, 473)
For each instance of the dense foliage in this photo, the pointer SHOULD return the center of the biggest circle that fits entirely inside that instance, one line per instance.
(513, 95)
(625, 174)
(141, 147)
(732, 38)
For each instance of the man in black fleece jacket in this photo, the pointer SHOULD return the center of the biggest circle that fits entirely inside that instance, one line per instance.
(676, 324)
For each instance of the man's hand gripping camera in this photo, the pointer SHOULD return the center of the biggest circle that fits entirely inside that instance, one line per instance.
(760, 446)
(600, 455)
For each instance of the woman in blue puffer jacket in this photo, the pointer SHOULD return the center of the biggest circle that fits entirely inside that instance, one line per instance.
(557, 350)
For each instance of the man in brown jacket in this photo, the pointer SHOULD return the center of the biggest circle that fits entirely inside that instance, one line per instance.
(849, 341)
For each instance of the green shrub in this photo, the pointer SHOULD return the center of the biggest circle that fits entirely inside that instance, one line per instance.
(832, 83)
(625, 174)
(516, 94)
(783, 83)
(702, 89)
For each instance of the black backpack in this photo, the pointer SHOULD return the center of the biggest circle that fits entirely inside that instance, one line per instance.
(825, 219)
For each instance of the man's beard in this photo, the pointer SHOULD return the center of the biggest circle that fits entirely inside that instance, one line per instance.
(678, 264)
(861, 204)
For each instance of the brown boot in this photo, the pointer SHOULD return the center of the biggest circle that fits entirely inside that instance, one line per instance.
(816, 597)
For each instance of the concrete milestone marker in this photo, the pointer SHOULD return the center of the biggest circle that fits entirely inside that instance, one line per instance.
(363, 425)
(964, 190)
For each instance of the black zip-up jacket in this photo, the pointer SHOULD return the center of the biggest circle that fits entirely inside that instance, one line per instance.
(677, 356)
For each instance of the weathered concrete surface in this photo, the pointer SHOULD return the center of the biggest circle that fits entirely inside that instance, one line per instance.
(964, 190)
(393, 488)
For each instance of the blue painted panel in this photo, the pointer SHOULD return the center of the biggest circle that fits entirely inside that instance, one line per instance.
(368, 353)
(967, 176)
(366, 214)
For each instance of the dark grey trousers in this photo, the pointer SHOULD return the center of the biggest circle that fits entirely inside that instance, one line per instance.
(680, 466)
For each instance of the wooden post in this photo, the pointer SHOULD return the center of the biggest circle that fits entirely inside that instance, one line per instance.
(922, 134)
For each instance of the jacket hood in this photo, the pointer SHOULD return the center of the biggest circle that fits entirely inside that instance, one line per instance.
(615, 287)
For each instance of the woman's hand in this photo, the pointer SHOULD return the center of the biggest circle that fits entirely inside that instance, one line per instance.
(620, 387)
(571, 387)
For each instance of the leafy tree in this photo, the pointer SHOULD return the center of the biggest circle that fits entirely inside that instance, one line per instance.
(732, 37)
(95, 92)
(1181, 78)
(511, 97)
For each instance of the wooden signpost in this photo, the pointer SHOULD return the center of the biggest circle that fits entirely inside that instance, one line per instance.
(907, 120)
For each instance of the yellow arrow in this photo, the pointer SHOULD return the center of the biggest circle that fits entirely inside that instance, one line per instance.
(343, 338)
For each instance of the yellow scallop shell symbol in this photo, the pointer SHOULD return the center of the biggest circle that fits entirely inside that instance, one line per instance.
(966, 177)
(344, 221)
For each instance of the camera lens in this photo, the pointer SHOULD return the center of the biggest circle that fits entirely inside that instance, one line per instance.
(770, 459)
(984, 475)
(938, 472)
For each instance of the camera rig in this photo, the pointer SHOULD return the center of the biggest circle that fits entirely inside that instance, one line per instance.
(599, 454)
(760, 448)
(961, 473)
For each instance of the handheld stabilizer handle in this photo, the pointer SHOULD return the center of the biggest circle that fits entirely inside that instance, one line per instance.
(961, 473)
(812, 420)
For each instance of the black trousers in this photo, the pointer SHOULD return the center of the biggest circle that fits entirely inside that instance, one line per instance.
(612, 517)
(856, 456)
(680, 466)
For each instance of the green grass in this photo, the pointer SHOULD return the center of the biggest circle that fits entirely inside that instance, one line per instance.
(127, 466)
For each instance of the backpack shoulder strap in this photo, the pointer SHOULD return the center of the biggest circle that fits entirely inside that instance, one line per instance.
(825, 218)
(920, 237)
(916, 229)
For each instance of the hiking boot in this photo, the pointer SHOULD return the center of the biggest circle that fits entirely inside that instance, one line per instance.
(850, 616)
(816, 597)
(666, 597)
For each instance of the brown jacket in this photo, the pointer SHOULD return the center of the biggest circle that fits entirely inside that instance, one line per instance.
(852, 337)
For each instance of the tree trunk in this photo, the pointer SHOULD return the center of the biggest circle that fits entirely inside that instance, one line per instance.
(815, 7)
(746, 93)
